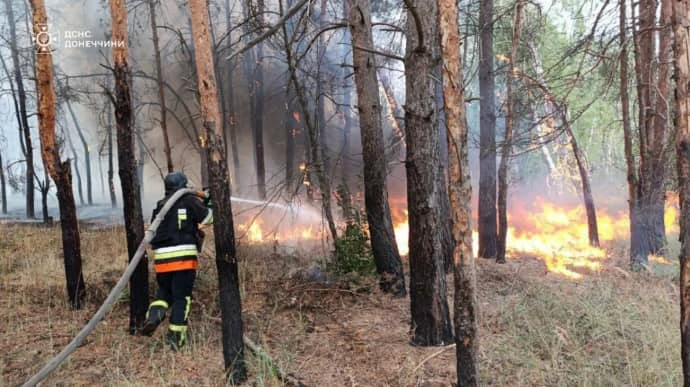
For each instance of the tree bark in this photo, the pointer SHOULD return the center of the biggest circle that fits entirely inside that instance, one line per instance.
(161, 89)
(487, 224)
(429, 307)
(386, 255)
(127, 167)
(507, 147)
(647, 212)
(460, 192)
(681, 18)
(226, 257)
(58, 170)
(21, 97)
(87, 153)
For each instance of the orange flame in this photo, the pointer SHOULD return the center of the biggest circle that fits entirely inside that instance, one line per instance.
(557, 235)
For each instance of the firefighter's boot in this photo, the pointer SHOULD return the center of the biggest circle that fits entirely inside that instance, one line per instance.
(154, 316)
(177, 336)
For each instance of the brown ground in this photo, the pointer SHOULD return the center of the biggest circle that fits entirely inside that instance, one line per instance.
(536, 328)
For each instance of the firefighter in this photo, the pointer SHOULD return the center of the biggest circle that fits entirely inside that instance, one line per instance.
(176, 246)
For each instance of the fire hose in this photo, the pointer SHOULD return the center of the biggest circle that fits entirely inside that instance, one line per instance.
(115, 293)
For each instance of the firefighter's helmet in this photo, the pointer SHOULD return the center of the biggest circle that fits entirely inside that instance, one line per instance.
(175, 181)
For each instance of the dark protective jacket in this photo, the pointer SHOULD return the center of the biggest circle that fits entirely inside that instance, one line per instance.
(175, 242)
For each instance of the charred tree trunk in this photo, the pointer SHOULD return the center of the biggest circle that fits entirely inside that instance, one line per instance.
(445, 231)
(59, 170)
(127, 168)
(161, 89)
(250, 67)
(226, 257)
(487, 224)
(3, 186)
(382, 237)
(111, 168)
(21, 97)
(460, 192)
(646, 218)
(230, 114)
(87, 154)
(507, 147)
(429, 307)
(681, 18)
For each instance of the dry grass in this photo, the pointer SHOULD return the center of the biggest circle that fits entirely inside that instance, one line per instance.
(613, 328)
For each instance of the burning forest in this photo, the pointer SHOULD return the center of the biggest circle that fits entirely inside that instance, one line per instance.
(302, 191)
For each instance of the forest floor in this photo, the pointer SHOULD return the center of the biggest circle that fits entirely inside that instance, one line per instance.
(537, 328)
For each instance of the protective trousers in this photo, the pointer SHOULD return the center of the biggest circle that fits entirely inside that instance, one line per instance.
(174, 292)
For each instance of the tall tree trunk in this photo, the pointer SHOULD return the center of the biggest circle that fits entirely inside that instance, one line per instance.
(111, 169)
(250, 64)
(681, 46)
(127, 168)
(291, 128)
(460, 192)
(560, 109)
(445, 231)
(429, 306)
(588, 199)
(87, 153)
(3, 187)
(487, 226)
(322, 90)
(226, 257)
(75, 160)
(646, 218)
(258, 117)
(230, 114)
(21, 97)
(346, 152)
(59, 170)
(386, 255)
(161, 89)
(314, 151)
(507, 147)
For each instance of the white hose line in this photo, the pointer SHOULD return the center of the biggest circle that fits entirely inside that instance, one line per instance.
(112, 297)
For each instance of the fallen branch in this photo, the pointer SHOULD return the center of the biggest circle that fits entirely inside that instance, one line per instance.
(433, 355)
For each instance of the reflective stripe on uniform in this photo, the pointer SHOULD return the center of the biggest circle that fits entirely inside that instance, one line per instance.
(164, 267)
(175, 252)
(209, 218)
(181, 216)
(160, 303)
(177, 328)
(187, 307)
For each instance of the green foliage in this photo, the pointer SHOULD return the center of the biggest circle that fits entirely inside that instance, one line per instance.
(352, 250)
